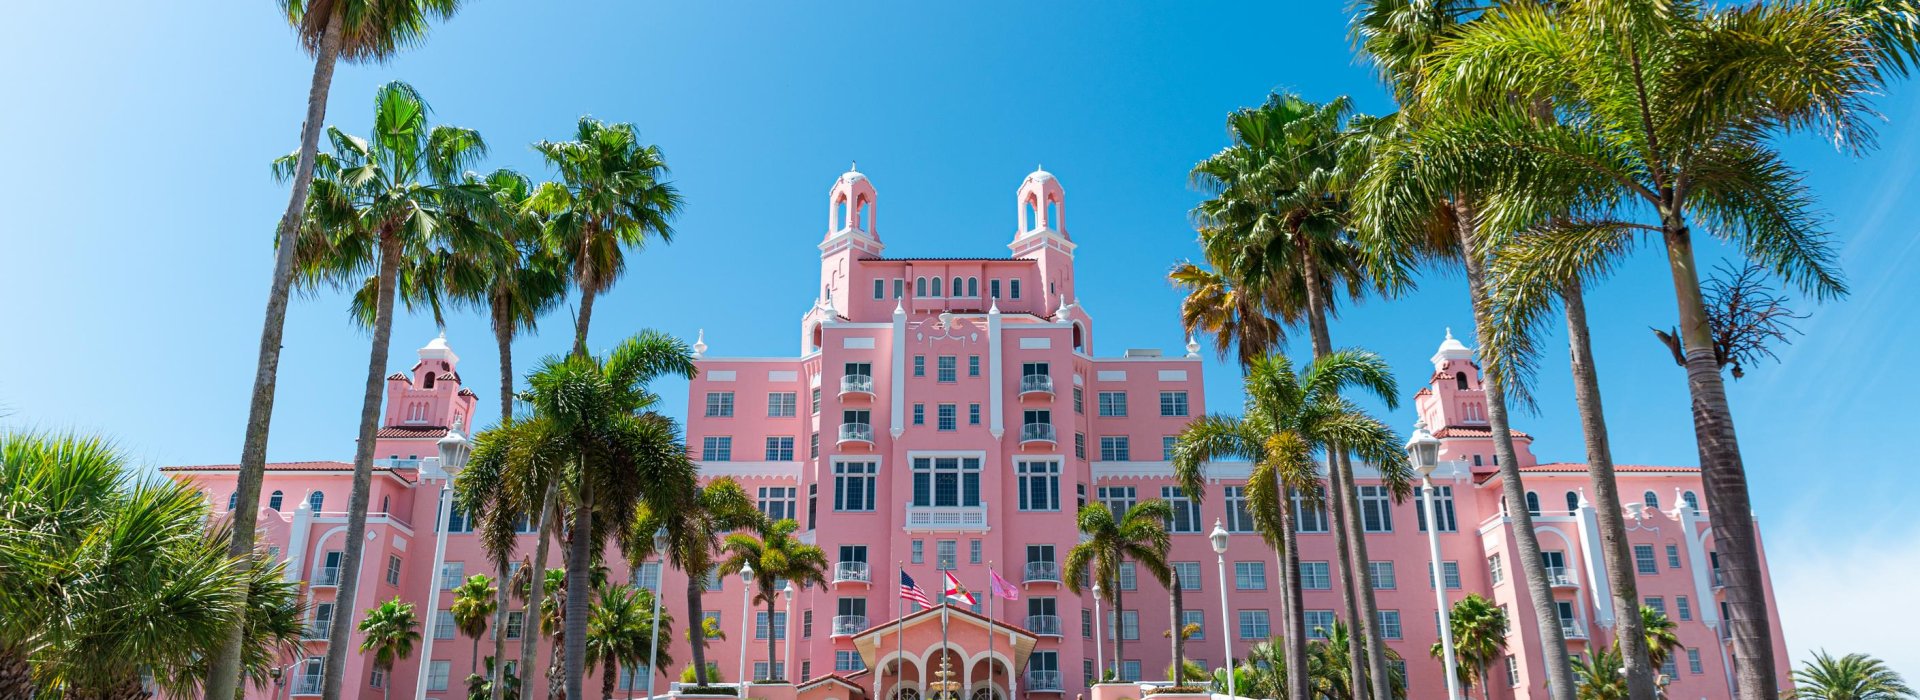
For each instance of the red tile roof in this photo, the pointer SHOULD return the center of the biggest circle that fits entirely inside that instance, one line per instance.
(1627, 468)
(271, 466)
(412, 431)
(1473, 431)
(402, 376)
(467, 392)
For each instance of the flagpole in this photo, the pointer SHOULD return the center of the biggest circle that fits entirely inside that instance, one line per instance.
(899, 632)
(992, 592)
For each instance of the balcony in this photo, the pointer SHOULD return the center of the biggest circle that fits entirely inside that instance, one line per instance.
(856, 386)
(1559, 577)
(308, 685)
(318, 631)
(1043, 681)
(1036, 433)
(1573, 630)
(1044, 625)
(856, 433)
(1042, 572)
(1036, 385)
(326, 576)
(947, 518)
(852, 572)
(849, 625)
(1719, 581)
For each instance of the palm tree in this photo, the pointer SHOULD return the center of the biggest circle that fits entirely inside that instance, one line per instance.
(594, 439)
(502, 488)
(1329, 668)
(363, 31)
(777, 556)
(700, 517)
(1237, 317)
(1479, 637)
(1696, 147)
(1288, 419)
(1139, 535)
(473, 602)
(620, 633)
(391, 631)
(1850, 677)
(1601, 676)
(612, 195)
(376, 204)
(1660, 640)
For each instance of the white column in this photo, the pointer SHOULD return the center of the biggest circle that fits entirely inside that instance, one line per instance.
(999, 424)
(433, 590)
(297, 542)
(899, 390)
(1591, 563)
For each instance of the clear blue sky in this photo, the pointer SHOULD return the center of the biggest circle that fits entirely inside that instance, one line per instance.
(136, 217)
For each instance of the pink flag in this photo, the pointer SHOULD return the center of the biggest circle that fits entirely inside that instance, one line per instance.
(1002, 588)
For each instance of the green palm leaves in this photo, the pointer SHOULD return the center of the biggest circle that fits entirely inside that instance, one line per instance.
(620, 632)
(776, 555)
(390, 630)
(1109, 539)
(1479, 638)
(694, 527)
(1850, 677)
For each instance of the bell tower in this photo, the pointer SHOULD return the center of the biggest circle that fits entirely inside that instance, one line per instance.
(1041, 235)
(852, 234)
(1459, 399)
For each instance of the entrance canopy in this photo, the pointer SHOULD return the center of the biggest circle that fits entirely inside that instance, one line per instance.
(910, 661)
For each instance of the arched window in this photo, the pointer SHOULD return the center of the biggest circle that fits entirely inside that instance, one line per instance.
(233, 500)
(1533, 504)
(973, 286)
(1573, 503)
(866, 215)
(919, 286)
(937, 289)
(315, 500)
(428, 384)
(1692, 501)
(276, 500)
(1460, 381)
(956, 288)
(1079, 338)
(813, 339)
(1651, 499)
(1053, 215)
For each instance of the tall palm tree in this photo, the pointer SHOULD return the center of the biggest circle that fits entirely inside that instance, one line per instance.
(1330, 670)
(475, 600)
(699, 517)
(612, 195)
(620, 633)
(1107, 542)
(1479, 637)
(595, 440)
(391, 631)
(1288, 419)
(778, 557)
(376, 204)
(1850, 677)
(1682, 129)
(357, 31)
(1238, 318)
(1601, 676)
(1660, 640)
(502, 487)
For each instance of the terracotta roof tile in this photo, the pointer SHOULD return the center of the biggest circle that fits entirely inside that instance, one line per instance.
(1627, 468)
(1473, 431)
(402, 376)
(412, 431)
(325, 465)
(467, 392)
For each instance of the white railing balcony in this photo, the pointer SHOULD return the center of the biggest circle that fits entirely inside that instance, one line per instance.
(1719, 581)
(856, 432)
(949, 518)
(327, 576)
(1036, 385)
(318, 632)
(1559, 577)
(415, 463)
(1043, 681)
(1044, 625)
(1572, 629)
(852, 572)
(856, 384)
(1036, 432)
(307, 686)
(849, 625)
(1042, 571)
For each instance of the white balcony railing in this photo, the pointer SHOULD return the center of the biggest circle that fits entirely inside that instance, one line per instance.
(1042, 571)
(852, 572)
(1037, 432)
(849, 625)
(947, 517)
(856, 384)
(307, 686)
(1559, 577)
(856, 432)
(1043, 680)
(1036, 384)
(318, 631)
(327, 576)
(1572, 629)
(1044, 625)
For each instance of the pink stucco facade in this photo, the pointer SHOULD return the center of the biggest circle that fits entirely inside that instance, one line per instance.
(952, 413)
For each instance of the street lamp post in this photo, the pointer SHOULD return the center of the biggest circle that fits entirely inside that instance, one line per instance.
(1219, 538)
(1423, 453)
(659, 576)
(746, 611)
(786, 630)
(1099, 663)
(454, 449)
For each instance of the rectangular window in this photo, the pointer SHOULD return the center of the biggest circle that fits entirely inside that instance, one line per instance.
(776, 502)
(1693, 661)
(848, 661)
(899, 287)
(646, 576)
(1673, 556)
(437, 673)
(1250, 575)
(1644, 561)
(443, 624)
(1113, 404)
(1173, 404)
(516, 621)
(782, 404)
(1080, 445)
(947, 555)
(1013, 287)
(1079, 400)
(919, 555)
(973, 414)
(919, 414)
(946, 481)
(947, 416)
(761, 672)
(1186, 513)
(1657, 603)
(1254, 625)
(452, 574)
(1382, 574)
(1513, 672)
(1114, 448)
(1319, 623)
(1683, 607)
(853, 486)
(1039, 483)
(1494, 572)
(1670, 667)
(719, 404)
(816, 401)
(1315, 576)
(1451, 570)
(973, 365)
(1195, 620)
(1442, 508)
(1239, 518)
(1313, 513)
(780, 449)
(813, 446)
(1166, 447)
(879, 288)
(716, 448)
(322, 624)
(974, 550)
(1389, 623)
(1118, 499)
(1129, 576)
(393, 570)
(457, 521)
(1128, 626)
(1376, 509)
(1130, 670)
(948, 368)
(760, 630)
(378, 679)
(1189, 573)
(919, 365)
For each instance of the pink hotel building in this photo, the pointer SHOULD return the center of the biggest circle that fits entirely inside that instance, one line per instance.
(952, 414)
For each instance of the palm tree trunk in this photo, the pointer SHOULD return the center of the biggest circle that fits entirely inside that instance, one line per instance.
(223, 673)
(772, 645)
(340, 640)
(1527, 543)
(1356, 536)
(1614, 552)
(1724, 472)
(586, 318)
(612, 673)
(1486, 691)
(1118, 627)
(1179, 640)
(1296, 622)
(696, 625)
(530, 634)
(579, 561)
(498, 673)
(503, 337)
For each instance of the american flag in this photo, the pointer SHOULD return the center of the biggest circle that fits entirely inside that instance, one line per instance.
(911, 591)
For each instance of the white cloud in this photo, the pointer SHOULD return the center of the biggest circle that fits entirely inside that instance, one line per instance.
(1851, 590)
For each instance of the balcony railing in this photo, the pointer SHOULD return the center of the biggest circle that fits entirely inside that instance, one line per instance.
(856, 384)
(1036, 384)
(327, 576)
(947, 517)
(852, 572)
(1044, 625)
(307, 685)
(1043, 681)
(318, 631)
(1036, 432)
(1042, 571)
(1572, 629)
(856, 432)
(1559, 577)
(1719, 581)
(849, 625)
